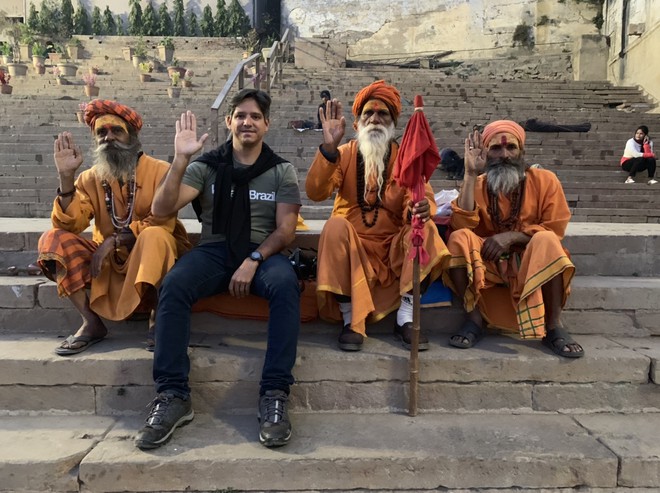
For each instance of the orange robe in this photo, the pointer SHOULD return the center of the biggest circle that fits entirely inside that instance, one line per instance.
(118, 289)
(369, 264)
(508, 293)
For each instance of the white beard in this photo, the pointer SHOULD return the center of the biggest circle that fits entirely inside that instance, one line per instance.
(504, 178)
(373, 144)
(116, 162)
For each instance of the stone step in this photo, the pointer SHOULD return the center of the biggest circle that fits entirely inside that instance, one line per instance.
(501, 374)
(597, 249)
(616, 306)
(338, 453)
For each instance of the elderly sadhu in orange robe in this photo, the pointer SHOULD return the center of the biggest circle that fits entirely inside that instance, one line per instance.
(507, 262)
(363, 268)
(130, 250)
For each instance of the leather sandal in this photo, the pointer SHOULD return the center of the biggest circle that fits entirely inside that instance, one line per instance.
(470, 331)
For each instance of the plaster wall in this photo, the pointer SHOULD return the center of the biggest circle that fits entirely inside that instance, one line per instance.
(634, 63)
(471, 28)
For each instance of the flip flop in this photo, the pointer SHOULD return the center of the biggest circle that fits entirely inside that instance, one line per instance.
(71, 340)
(557, 339)
(151, 340)
(470, 331)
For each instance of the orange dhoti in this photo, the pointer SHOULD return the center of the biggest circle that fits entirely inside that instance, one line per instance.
(373, 270)
(125, 278)
(508, 293)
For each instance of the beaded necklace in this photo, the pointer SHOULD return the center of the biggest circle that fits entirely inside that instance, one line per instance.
(516, 198)
(120, 223)
(364, 206)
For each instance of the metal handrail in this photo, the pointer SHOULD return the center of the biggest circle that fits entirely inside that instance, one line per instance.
(274, 65)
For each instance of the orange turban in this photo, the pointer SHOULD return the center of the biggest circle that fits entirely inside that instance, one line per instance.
(100, 107)
(378, 90)
(503, 127)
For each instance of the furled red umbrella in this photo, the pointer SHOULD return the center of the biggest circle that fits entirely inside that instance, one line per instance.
(417, 159)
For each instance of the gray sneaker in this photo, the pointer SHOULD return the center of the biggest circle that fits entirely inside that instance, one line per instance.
(274, 424)
(167, 412)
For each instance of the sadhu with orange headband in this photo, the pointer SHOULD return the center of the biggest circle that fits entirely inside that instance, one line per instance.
(507, 263)
(130, 250)
(362, 270)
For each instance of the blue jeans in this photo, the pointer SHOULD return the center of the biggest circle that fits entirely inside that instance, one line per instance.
(202, 272)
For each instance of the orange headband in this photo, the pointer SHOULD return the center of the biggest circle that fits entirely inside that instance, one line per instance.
(499, 127)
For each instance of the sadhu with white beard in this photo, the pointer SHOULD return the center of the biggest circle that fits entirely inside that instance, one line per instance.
(507, 262)
(130, 250)
(363, 271)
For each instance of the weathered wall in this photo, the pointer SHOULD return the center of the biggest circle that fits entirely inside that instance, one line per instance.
(637, 62)
(383, 28)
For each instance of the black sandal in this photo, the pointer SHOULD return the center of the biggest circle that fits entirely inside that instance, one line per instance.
(558, 339)
(470, 331)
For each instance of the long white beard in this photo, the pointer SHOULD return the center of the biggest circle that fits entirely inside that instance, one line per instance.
(116, 161)
(504, 177)
(373, 144)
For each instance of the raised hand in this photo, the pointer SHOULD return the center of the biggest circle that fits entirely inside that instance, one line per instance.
(186, 142)
(67, 155)
(334, 125)
(475, 154)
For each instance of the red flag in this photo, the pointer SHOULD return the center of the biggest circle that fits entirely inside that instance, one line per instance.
(415, 163)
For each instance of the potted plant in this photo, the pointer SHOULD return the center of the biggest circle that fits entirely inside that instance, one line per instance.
(140, 52)
(5, 88)
(187, 78)
(176, 67)
(25, 42)
(145, 71)
(94, 69)
(80, 114)
(67, 69)
(59, 77)
(166, 49)
(174, 90)
(17, 69)
(7, 53)
(74, 48)
(38, 53)
(250, 43)
(40, 68)
(91, 90)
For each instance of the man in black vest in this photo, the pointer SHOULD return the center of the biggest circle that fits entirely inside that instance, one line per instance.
(247, 199)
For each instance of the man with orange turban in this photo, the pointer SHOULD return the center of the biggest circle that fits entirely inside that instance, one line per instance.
(363, 268)
(507, 263)
(130, 250)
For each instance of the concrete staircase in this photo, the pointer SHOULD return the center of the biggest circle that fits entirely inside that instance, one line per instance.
(505, 416)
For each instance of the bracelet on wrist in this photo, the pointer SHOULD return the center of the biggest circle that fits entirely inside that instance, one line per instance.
(60, 193)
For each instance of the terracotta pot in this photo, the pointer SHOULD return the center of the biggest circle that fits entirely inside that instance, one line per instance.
(81, 116)
(17, 69)
(68, 69)
(41, 69)
(186, 83)
(145, 77)
(91, 91)
(36, 60)
(137, 60)
(181, 70)
(173, 92)
(6, 89)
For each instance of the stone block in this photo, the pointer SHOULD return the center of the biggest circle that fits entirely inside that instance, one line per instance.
(606, 323)
(49, 298)
(60, 399)
(43, 453)
(596, 397)
(635, 440)
(18, 292)
(649, 320)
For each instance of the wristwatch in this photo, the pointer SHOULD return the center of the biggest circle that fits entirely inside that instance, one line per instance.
(257, 257)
